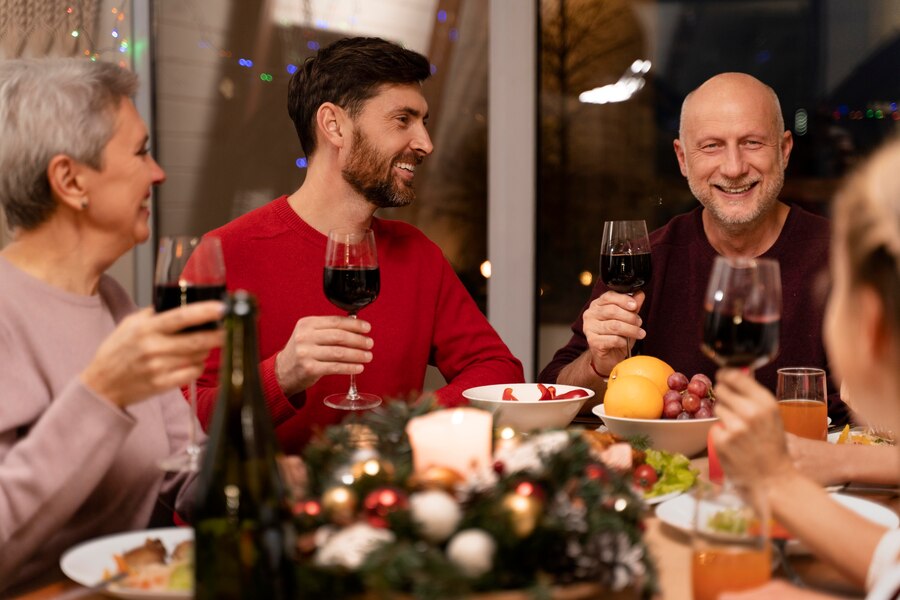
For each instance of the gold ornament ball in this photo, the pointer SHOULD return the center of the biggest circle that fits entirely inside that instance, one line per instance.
(374, 469)
(339, 503)
(523, 511)
(436, 478)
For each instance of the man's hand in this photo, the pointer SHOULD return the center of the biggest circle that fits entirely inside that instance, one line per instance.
(321, 346)
(610, 322)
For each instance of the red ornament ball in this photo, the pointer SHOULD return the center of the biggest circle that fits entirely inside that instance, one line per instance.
(382, 502)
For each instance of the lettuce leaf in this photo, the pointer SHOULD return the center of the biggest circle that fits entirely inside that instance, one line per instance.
(675, 473)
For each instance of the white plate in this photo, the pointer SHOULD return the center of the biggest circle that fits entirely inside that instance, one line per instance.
(660, 499)
(679, 513)
(86, 562)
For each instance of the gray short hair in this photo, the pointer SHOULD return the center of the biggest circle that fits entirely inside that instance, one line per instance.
(51, 106)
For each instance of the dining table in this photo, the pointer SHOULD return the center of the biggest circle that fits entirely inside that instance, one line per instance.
(670, 547)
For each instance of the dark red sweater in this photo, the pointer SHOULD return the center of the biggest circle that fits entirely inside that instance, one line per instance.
(672, 312)
(422, 316)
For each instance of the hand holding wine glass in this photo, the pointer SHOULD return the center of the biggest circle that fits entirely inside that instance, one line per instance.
(351, 281)
(188, 270)
(625, 265)
(742, 315)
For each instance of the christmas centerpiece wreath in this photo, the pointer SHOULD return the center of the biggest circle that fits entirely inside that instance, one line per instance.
(546, 517)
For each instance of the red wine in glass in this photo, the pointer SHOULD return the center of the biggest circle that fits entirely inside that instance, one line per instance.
(351, 281)
(188, 269)
(742, 312)
(735, 341)
(351, 288)
(625, 265)
(625, 273)
(167, 296)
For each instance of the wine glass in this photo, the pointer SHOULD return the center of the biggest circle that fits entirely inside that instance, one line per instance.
(742, 315)
(730, 541)
(625, 258)
(351, 281)
(188, 269)
(742, 312)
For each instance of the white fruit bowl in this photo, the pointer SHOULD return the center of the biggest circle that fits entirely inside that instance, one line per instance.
(528, 413)
(686, 436)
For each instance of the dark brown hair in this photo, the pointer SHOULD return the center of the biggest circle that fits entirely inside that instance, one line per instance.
(347, 73)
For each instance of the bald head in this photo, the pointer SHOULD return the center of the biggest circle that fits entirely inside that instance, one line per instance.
(725, 88)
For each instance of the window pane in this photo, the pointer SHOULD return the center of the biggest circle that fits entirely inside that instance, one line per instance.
(833, 65)
(228, 145)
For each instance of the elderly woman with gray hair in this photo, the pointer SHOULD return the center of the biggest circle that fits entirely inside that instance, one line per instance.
(89, 398)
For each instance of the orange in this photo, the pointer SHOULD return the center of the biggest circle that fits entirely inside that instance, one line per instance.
(652, 368)
(633, 397)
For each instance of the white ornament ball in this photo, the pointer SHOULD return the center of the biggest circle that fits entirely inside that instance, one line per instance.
(472, 550)
(436, 513)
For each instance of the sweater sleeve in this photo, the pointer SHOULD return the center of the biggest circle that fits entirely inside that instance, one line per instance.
(281, 408)
(465, 347)
(48, 466)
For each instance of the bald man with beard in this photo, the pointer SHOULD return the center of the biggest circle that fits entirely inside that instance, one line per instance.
(733, 150)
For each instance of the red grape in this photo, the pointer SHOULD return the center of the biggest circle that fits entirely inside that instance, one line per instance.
(683, 416)
(677, 381)
(672, 409)
(703, 378)
(691, 403)
(672, 396)
(703, 413)
(698, 387)
(707, 404)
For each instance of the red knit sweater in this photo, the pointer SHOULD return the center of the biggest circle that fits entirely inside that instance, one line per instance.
(422, 316)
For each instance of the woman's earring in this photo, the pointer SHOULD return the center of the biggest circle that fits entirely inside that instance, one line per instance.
(84, 203)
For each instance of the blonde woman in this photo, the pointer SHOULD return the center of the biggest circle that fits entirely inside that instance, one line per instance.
(862, 334)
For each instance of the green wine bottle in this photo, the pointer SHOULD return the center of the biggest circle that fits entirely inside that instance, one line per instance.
(242, 524)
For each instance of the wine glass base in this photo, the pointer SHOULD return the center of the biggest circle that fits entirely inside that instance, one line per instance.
(345, 402)
(184, 462)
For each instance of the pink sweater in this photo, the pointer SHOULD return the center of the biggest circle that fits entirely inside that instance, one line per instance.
(422, 316)
(72, 466)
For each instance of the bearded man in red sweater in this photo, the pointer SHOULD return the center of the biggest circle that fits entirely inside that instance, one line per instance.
(733, 150)
(360, 116)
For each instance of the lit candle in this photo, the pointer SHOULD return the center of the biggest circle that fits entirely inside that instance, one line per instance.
(457, 438)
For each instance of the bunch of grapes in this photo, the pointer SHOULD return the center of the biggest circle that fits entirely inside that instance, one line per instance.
(688, 399)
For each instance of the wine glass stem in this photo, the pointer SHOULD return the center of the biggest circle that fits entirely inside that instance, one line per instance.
(193, 449)
(352, 394)
(627, 345)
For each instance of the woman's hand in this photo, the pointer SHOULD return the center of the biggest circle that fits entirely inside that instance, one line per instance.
(146, 354)
(751, 442)
(820, 461)
(775, 590)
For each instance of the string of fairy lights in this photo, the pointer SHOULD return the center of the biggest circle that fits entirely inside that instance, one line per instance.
(118, 39)
(265, 74)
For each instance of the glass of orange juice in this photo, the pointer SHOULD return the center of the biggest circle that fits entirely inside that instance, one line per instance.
(730, 543)
(802, 400)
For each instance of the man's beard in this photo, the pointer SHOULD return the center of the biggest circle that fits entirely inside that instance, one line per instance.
(768, 197)
(371, 175)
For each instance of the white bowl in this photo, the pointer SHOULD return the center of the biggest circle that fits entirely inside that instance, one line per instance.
(687, 436)
(528, 413)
